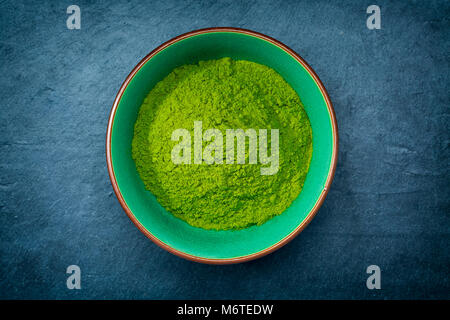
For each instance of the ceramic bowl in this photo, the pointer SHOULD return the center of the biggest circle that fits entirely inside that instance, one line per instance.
(175, 235)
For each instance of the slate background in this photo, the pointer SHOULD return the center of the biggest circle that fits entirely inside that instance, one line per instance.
(389, 203)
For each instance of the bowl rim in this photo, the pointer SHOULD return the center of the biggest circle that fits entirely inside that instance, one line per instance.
(320, 199)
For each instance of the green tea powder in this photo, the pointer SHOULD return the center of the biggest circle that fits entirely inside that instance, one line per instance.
(222, 94)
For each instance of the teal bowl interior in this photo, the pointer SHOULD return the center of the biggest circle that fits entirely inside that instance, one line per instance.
(223, 245)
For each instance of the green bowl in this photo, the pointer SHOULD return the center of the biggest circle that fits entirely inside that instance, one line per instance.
(175, 235)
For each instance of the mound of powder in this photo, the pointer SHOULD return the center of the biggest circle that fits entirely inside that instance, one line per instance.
(222, 94)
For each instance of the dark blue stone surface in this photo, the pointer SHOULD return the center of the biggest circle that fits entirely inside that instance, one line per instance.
(389, 204)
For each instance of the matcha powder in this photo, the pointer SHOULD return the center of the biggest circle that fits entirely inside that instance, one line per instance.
(222, 94)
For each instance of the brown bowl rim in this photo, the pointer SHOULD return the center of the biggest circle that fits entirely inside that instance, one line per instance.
(319, 201)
